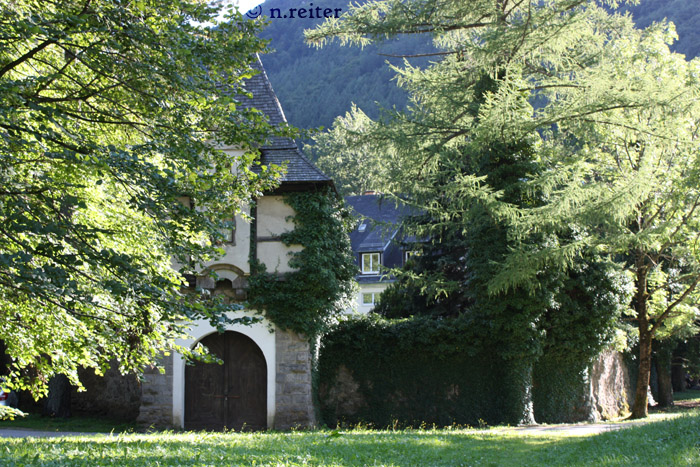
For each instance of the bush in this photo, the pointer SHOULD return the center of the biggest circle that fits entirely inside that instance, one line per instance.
(418, 371)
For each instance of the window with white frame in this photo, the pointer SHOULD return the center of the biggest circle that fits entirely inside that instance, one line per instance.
(408, 254)
(370, 263)
(368, 298)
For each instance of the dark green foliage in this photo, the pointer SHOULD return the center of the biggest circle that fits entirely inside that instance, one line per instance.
(559, 390)
(403, 299)
(322, 284)
(418, 371)
(575, 327)
(569, 315)
(593, 193)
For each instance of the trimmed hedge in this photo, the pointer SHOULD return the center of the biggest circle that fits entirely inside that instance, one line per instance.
(418, 371)
(560, 390)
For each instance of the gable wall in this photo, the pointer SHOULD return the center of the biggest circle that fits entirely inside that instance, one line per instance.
(273, 219)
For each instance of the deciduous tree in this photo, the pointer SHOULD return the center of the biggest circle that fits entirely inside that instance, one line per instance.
(110, 115)
(355, 164)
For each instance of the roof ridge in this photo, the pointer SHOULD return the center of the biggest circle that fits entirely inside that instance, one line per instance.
(279, 148)
(268, 84)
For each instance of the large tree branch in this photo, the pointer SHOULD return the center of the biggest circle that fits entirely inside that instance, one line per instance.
(660, 320)
(26, 56)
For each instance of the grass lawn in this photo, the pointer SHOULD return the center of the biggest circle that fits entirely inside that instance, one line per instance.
(37, 422)
(690, 394)
(667, 441)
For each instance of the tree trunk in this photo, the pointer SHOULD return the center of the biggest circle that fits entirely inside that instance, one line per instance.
(663, 376)
(678, 375)
(640, 406)
(59, 400)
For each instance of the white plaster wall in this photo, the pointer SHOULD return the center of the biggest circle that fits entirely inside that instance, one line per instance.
(275, 255)
(377, 288)
(261, 333)
(237, 253)
(273, 215)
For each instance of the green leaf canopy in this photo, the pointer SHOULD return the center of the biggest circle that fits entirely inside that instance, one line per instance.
(110, 116)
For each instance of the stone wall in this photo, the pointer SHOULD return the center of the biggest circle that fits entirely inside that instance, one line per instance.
(610, 386)
(157, 396)
(114, 395)
(294, 391)
(566, 392)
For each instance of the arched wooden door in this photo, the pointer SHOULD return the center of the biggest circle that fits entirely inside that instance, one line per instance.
(232, 395)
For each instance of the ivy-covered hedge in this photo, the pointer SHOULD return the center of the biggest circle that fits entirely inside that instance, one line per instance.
(416, 371)
(560, 390)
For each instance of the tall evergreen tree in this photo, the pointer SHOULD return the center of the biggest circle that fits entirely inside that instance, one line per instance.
(611, 118)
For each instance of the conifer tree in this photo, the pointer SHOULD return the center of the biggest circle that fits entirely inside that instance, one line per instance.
(610, 115)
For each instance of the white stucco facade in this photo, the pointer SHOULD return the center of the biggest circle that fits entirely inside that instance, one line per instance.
(375, 289)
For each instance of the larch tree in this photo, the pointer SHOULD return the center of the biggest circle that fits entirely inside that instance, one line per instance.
(110, 116)
(610, 115)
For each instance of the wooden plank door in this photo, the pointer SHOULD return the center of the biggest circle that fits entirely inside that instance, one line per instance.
(246, 387)
(228, 396)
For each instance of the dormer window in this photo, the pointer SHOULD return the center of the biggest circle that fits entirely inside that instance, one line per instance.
(370, 263)
(362, 227)
(407, 255)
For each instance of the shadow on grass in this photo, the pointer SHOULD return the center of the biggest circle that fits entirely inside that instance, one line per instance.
(88, 424)
(668, 442)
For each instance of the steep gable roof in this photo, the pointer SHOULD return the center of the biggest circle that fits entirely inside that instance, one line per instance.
(378, 222)
(279, 150)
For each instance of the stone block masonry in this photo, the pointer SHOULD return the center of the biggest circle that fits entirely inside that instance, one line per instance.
(157, 396)
(293, 391)
(114, 395)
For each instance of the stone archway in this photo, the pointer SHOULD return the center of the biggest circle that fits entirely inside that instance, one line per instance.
(229, 396)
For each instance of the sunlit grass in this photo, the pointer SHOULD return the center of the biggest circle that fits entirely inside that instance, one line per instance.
(666, 442)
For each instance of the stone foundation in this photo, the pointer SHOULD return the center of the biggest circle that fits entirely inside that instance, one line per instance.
(113, 395)
(293, 391)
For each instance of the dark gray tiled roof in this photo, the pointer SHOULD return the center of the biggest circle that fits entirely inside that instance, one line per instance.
(278, 150)
(378, 207)
(299, 168)
(381, 217)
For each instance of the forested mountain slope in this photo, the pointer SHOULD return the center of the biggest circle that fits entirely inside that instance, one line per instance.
(316, 85)
(685, 14)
